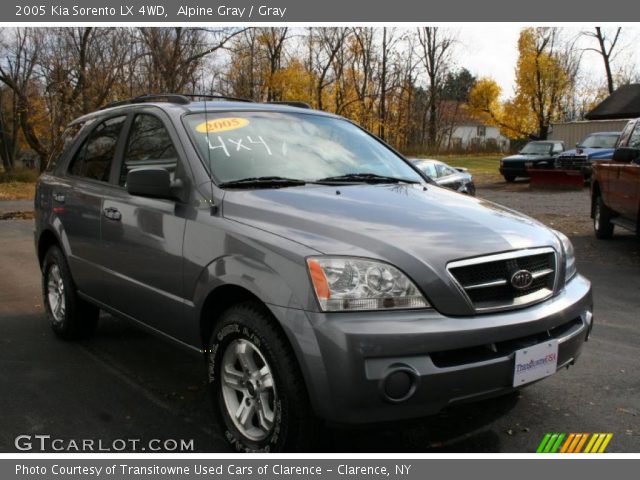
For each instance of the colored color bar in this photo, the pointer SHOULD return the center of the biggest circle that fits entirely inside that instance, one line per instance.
(556, 446)
(581, 442)
(596, 445)
(574, 443)
(606, 441)
(543, 443)
(550, 443)
(567, 442)
(590, 444)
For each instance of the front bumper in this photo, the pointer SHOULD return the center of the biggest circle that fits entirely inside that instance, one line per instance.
(346, 357)
(514, 170)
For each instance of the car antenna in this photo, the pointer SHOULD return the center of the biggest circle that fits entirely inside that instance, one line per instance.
(213, 208)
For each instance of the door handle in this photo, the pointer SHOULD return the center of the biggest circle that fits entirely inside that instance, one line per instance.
(58, 198)
(112, 214)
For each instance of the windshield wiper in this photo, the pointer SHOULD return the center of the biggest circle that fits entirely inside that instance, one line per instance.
(263, 182)
(366, 178)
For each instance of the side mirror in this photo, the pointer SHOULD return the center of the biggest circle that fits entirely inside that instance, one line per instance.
(149, 182)
(626, 155)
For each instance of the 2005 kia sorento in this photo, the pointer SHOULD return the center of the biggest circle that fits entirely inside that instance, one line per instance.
(320, 274)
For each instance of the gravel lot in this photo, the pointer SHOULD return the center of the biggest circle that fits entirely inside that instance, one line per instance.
(126, 383)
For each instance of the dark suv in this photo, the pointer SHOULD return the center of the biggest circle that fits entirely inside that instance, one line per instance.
(536, 154)
(318, 272)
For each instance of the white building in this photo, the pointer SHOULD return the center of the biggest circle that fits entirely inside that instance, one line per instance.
(475, 136)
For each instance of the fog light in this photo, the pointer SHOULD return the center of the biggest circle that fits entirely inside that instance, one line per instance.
(399, 384)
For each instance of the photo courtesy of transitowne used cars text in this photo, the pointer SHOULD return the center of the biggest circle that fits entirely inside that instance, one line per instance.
(322, 276)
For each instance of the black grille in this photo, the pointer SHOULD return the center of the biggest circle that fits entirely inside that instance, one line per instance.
(571, 162)
(488, 284)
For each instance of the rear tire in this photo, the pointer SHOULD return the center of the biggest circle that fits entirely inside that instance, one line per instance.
(70, 317)
(602, 225)
(510, 178)
(259, 396)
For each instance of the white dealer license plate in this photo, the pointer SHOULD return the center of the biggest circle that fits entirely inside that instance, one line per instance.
(535, 362)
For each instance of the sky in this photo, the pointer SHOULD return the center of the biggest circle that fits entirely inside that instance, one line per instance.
(491, 50)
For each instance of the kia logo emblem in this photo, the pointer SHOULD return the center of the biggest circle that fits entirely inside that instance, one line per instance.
(521, 279)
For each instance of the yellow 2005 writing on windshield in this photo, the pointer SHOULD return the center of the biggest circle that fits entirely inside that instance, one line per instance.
(222, 125)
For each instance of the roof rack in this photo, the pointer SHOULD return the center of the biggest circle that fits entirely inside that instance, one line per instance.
(146, 98)
(218, 97)
(185, 98)
(178, 98)
(292, 103)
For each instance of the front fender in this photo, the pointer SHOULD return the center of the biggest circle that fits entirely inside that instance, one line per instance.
(254, 276)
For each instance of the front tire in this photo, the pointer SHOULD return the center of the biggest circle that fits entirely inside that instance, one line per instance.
(602, 225)
(259, 396)
(510, 178)
(70, 317)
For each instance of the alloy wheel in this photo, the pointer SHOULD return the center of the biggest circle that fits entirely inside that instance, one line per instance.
(55, 293)
(248, 389)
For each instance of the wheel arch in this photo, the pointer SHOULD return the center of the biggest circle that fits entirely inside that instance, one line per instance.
(46, 240)
(226, 295)
(217, 301)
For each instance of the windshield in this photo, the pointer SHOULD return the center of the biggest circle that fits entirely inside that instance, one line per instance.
(429, 168)
(244, 145)
(537, 148)
(607, 140)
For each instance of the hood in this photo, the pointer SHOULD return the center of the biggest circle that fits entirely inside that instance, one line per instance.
(417, 230)
(591, 153)
(453, 178)
(528, 158)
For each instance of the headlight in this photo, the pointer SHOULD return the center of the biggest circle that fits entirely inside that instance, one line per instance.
(344, 284)
(569, 256)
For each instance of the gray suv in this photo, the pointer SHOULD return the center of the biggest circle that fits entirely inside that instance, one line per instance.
(321, 276)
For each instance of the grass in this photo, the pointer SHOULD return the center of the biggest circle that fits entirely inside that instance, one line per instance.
(18, 184)
(17, 191)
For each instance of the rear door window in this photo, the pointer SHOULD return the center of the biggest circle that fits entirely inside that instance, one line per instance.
(149, 145)
(95, 157)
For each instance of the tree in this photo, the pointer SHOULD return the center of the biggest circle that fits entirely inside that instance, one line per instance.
(545, 81)
(172, 56)
(512, 117)
(17, 71)
(606, 45)
(457, 85)
(81, 69)
(436, 49)
(325, 43)
(544, 74)
(272, 40)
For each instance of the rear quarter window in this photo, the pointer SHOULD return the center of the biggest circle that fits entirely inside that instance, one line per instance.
(66, 140)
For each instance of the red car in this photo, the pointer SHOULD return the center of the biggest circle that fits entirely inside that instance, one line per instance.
(615, 186)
